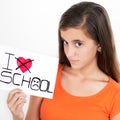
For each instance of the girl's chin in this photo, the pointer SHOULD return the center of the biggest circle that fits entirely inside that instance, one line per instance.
(75, 66)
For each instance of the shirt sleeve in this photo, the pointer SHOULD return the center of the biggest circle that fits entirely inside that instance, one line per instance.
(115, 109)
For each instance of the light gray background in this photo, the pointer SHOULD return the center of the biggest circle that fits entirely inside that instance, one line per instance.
(32, 25)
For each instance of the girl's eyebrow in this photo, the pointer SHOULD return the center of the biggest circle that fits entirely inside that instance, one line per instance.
(76, 40)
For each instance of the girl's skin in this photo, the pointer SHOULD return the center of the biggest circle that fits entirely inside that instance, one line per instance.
(16, 101)
(81, 51)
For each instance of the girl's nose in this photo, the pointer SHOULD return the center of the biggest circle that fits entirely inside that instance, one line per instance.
(71, 51)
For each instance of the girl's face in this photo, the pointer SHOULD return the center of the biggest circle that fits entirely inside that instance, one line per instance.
(79, 48)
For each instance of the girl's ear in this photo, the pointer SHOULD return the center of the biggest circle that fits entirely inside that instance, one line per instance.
(99, 48)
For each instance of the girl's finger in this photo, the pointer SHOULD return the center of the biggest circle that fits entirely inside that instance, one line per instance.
(12, 92)
(14, 98)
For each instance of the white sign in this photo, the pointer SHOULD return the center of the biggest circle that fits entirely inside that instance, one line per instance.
(35, 74)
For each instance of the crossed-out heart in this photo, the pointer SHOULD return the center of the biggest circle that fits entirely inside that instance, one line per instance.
(24, 64)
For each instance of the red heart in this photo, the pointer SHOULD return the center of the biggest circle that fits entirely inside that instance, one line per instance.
(24, 64)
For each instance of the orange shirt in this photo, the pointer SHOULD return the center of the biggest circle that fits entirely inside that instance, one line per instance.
(63, 106)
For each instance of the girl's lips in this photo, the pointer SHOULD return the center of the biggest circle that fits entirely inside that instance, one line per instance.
(73, 61)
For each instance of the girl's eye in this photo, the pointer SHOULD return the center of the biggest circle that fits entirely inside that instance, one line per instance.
(78, 44)
(65, 42)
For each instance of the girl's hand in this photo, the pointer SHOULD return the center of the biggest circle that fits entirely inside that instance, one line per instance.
(16, 100)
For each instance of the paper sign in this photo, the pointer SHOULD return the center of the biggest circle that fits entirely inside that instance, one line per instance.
(34, 73)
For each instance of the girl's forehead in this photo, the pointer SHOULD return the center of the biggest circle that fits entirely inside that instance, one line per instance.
(75, 34)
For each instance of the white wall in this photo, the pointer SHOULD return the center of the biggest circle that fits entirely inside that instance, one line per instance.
(32, 25)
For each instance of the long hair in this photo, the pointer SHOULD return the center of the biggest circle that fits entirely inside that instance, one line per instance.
(94, 19)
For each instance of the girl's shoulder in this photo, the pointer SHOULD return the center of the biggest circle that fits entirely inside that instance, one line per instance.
(115, 86)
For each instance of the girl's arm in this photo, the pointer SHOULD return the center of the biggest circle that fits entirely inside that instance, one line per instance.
(33, 112)
(116, 117)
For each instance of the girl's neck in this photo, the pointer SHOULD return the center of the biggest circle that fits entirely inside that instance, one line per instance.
(89, 72)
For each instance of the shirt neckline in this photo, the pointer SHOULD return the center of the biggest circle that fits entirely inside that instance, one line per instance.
(67, 94)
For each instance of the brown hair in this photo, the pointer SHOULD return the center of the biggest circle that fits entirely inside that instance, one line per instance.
(93, 18)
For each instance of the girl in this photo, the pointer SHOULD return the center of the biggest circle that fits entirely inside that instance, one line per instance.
(87, 81)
